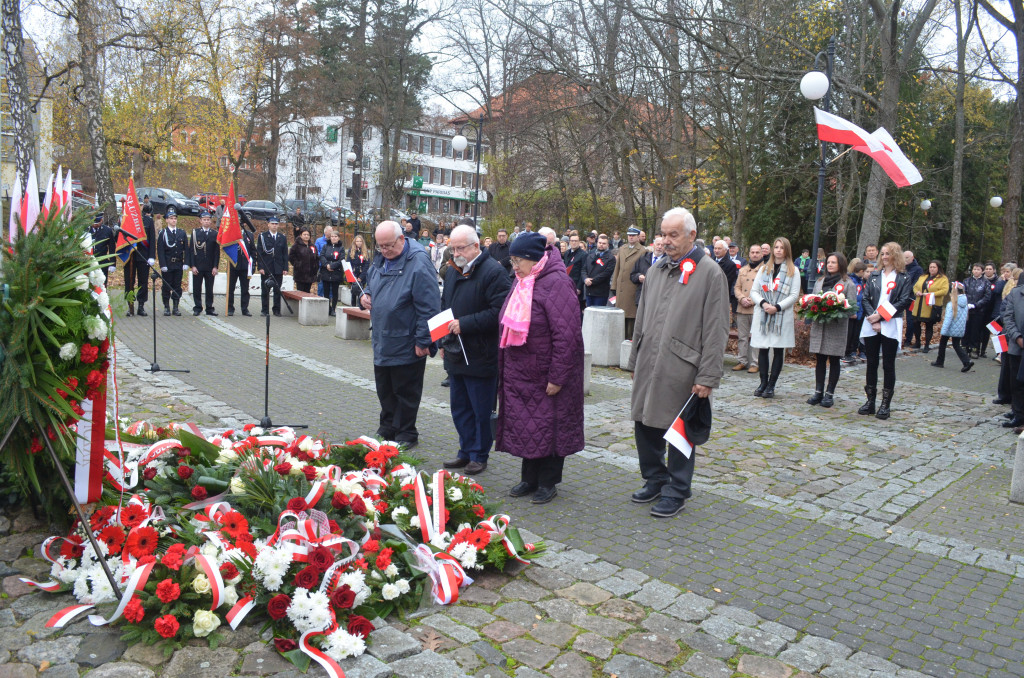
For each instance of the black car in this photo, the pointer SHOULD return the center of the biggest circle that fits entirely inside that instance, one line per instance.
(262, 210)
(162, 198)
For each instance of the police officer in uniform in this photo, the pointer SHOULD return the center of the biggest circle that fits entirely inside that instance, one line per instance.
(203, 257)
(272, 258)
(240, 271)
(170, 248)
(136, 268)
(102, 244)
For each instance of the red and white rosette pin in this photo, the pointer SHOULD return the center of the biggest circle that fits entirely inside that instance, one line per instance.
(687, 266)
(839, 288)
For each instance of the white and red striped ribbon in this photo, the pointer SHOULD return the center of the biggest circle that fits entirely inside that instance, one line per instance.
(431, 518)
(49, 587)
(136, 582)
(330, 666)
(237, 613)
(446, 573)
(90, 448)
(497, 524)
(63, 617)
(213, 574)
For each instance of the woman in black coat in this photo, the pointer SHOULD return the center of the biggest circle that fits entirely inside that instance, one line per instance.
(332, 256)
(304, 260)
(979, 294)
(360, 259)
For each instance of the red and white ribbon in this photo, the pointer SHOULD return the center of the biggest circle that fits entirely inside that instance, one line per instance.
(497, 524)
(321, 658)
(213, 574)
(431, 521)
(237, 613)
(62, 618)
(136, 582)
(446, 573)
(90, 447)
(687, 266)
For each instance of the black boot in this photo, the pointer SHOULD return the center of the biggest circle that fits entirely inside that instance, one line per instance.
(826, 400)
(334, 303)
(142, 309)
(883, 409)
(769, 392)
(175, 311)
(869, 406)
(816, 398)
(759, 391)
(167, 309)
(131, 310)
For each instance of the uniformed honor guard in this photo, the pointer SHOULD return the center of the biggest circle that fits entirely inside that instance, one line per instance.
(272, 258)
(140, 258)
(170, 248)
(203, 257)
(241, 271)
(102, 244)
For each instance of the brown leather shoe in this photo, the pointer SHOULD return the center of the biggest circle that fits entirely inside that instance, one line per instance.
(457, 462)
(739, 367)
(752, 369)
(474, 467)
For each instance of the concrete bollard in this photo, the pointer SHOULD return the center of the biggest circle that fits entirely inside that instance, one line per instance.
(625, 349)
(1017, 480)
(345, 295)
(588, 364)
(604, 329)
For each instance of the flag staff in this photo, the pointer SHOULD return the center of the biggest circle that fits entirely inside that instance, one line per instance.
(810, 87)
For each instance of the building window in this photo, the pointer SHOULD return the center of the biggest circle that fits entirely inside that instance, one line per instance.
(316, 159)
(444, 148)
(469, 151)
(313, 190)
(444, 177)
(456, 178)
(403, 143)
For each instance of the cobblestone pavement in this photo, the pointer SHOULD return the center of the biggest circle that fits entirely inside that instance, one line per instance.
(836, 543)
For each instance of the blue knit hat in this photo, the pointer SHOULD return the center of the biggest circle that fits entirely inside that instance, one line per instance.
(528, 246)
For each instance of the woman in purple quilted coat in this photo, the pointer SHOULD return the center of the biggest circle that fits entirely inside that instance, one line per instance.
(540, 368)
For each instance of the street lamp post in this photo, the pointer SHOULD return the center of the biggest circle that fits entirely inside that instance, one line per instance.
(996, 202)
(817, 85)
(459, 144)
(357, 189)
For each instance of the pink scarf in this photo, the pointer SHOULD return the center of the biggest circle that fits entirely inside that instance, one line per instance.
(515, 324)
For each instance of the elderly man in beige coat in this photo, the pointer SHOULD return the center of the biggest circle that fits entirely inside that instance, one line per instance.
(682, 327)
(623, 288)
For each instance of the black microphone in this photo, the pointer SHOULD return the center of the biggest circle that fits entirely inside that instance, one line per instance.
(244, 218)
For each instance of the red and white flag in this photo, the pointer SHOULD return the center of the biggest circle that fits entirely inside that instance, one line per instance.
(999, 343)
(676, 436)
(879, 145)
(994, 327)
(887, 310)
(439, 324)
(58, 189)
(90, 447)
(14, 227)
(350, 275)
(30, 204)
(930, 298)
(69, 191)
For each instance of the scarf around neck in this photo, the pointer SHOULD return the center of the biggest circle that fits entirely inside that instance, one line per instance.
(515, 323)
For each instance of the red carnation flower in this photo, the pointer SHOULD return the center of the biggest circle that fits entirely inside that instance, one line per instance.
(185, 472)
(149, 473)
(72, 383)
(361, 563)
(309, 472)
(479, 510)
(384, 559)
(113, 537)
(284, 468)
(297, 504)
(199, 493)
(234, 524)
(358, 506)
(88, 354)
(228, 571)
(381, 506)
(371, 546)
(343, 597)
(339, 500)
(320, 558)
(360, 626)
(248, 427)
(37, 446)
(133, 611)
(94, 379)
(307, 577)
(167, 591)
(174, 557)
(105, 345)
(167, 626)
(141, 541)
(76, 408)
(283, 645)
(72, 547)
(277, 608)
(132, 515)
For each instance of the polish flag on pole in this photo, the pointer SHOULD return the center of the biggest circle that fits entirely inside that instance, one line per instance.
(69, 192)
(439, 324)
(994, 327)
(58, 189)
(886, 310)
(879, 145)
(999, 343)
(676, 434)
(30, 210)
(350, 275)
(48, 199)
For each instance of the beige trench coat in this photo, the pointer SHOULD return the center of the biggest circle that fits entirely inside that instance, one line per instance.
(679, 339)
(623, 288)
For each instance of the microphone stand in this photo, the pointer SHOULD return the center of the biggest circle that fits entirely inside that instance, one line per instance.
(154, 275)
(267, 280)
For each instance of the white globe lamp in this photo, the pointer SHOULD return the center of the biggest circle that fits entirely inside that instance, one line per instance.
(459, 143)
(350, 156)
(926, 204)
(814, 85)
(996, 201)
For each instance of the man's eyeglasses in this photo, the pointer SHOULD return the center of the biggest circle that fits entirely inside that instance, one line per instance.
(458, 249)
(381, 247)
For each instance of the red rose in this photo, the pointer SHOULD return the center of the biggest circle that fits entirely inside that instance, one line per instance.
(94, 379)
(384, 559)
(37, 446)
(309, 472)
(359, 626)
(298, 504)
(228, 571)
(371, 546)
(320, 558)
(185, 472)
(174, 557)
(307, 577)
(283, 645)
(343, 597)
(88, 355)
(277, 608)
(166, 626)
(283, 468)
(167, 591)
(335, 528)
(338, 501)
(133, 611)
(184, 452)
(302, 456)
(149, 473)
(199, 493)
(358, 507)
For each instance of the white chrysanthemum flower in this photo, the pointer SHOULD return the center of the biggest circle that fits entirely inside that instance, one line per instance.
(342, 644)
(81, 588)
(96, 277)
(272, 583)
(68, 351)
(348, 487)
(103, 299)
(414, 521)
(403, 586)
(400, 511)
(440, 540)
(81, 281)
(256, 431)
(454, 493)
(390, 592)
(391, 571)
(355, 581)
(375, 575)
(466, 554)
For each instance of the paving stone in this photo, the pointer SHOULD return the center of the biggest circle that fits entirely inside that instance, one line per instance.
(814, 652)
(650, 646)
(625, 610)
(761, 641)
(100, 648)
(584, 593)
(61, 671)
(61, 651)
(521, 613)
(709, 645)
(689, 607)
(594, 645)
(492, 672)
(27, 607)
(555, 634)
(120, 670)
(842, 668)
(704, 666)
(763, 667)
(14, 545)
(363, 666)
(150, 655)
(571, 665)
(527, 672)
(591, 572)
(491, 580)
(549, 578)
(426, 664)
(562, 610)
(488, 653)
(870, 661)
(656, 595)
(737, 614)
(502, 631)
(530, 652)
(479, 596)
(780, 630)
(667, 626)
(201, 662)
(15, 588)
(23, 671)
(466, 658)
(618, 586)
(455, 631)
(720, 627)
(240, 637)
(388, 644)
(603, 626)
(524, 590)
(264, 663)
(626, 666)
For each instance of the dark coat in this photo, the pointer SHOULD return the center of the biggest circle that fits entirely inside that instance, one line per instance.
(995, 302)
(272, 253)
(532, 424)
(242, 260)
(170, 248)
(730, 270)
(305, 263)
(601, 273)
(500, 253)
(143, 247)
(102, 243)
(901, 298)
(914, 270)
(331, 258)
(475, 301)
(978, 291)
(640, 268)
(360, 265)
(404, 296)
(575, 261)
(203, 250)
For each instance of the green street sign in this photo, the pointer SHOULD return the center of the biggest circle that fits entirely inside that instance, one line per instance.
(332, 135)
(417, 181)
(423, 206)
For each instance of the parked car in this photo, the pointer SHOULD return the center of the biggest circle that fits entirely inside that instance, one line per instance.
(262, 210)
(212, 200)
(162, 198)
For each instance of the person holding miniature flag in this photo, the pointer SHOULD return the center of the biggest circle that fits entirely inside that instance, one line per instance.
(930, 292)
(682, 326)
(887, 294)
(334, 268)
(1012, 322)
(402, 296)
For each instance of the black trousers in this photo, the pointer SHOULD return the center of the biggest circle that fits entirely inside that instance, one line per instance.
(1017, 397)
(975, 323)
(853, 336)
(265, 292)
(172, 285)
(914, 330)
(960, 353)
(203, 279)
(1007, 377)
(777, 360)
(888, 348)
(136, 274)
(331, 291)
(543, 472)
(674, 478)
(399, 389)
(821, 362)
(238, 277)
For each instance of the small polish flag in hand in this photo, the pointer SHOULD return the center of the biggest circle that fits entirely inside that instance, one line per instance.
(676, 436)
(439, 324)
(886, 310)
(930, 298)
(349, 275)
(994, 327)
(999, 343)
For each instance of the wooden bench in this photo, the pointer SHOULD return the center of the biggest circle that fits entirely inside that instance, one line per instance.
(352, 323)
(313, 309)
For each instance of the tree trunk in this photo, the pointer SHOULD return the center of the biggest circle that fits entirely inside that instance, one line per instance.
(17, 87)
(958, 144)
(91, 96)
(1015, 167)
